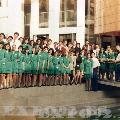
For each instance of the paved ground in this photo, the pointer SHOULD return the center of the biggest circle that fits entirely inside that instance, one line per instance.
(52, 96)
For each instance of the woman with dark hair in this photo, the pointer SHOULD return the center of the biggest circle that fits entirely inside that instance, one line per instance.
(50, 66)
(25, 44)
(102, 58)
(2, 53)
(43, 62)
(88, 71)
(110, 63)
(66, 65)
(31, 45)
(20, 65)
(40, 63)
(7, 68)
(38, 43)
(57, 70)
(34, 66)
(27, 69)
(2, 37)
(14, 66)
(77, 68)
(77, 48)
(21, 39)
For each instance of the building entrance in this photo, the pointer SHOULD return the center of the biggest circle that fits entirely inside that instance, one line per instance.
(69, 37)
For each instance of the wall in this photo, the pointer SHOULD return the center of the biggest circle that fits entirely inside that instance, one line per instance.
(12, 17)
(53, 30)
(107, 16)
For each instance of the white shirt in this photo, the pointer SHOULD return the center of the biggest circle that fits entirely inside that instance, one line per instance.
(95, 62)
(118, 57)
(16, 42)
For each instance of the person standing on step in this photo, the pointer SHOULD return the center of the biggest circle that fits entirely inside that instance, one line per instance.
(88, 71)
(34, 66)
(2, 55)
(8, 67)
(27, 68)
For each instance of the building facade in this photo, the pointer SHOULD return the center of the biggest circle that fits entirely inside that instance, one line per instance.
(107, 23)
(56, 19)
(11, 16)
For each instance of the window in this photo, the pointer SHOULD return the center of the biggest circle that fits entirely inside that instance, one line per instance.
(92, 9)
(27, 17)
(68, 13)
(43, 13)
(27, 13)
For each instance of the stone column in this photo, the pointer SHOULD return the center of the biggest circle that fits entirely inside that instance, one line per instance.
(54, 16)
(80, 36)
(34, 22)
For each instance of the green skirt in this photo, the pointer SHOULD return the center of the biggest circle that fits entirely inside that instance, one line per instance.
(50, 69)
(20, 67)
(66, 71)
(1, 67)
(102, 66)
(7, 67)
(81, 67)
(27, 68)
(110, 67)
(58, 70)
(14, 67)
(42, 69)
(88, 76)
(34, 66)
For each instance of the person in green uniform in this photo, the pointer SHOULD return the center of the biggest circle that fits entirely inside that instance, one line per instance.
(2, 54)
(61, 68)
(88, 71)
(66, 65)
(34, 66)
(50, 66)
(110, 64)
(26, 45)
(56, 64)
(27, 68)
(7, 67)
(102, 58)
(44, 64)
(31, 45)
(57, 59)
(14, 66)
(40, 62)
(20, 65)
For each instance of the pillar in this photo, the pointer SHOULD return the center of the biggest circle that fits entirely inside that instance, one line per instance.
(80, 36)
(34, 22)
(54, 16)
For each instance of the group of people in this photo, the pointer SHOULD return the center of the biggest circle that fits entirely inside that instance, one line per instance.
(29, 63)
